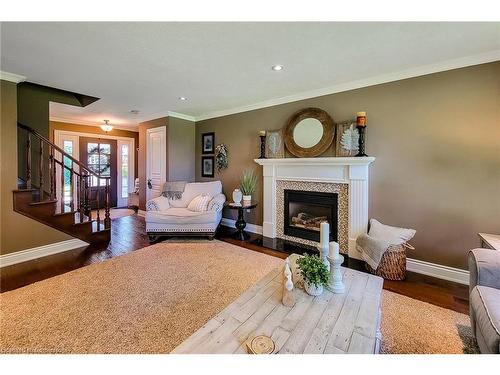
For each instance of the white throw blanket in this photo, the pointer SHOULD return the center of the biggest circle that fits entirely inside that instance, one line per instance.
(372, 249)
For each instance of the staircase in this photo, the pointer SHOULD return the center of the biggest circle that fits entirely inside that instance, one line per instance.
(58, 192)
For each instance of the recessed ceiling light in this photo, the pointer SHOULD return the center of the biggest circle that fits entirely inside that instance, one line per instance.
(277, 67)
(182, 98)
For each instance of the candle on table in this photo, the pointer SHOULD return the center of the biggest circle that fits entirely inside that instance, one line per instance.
(361, 119)
(334, 250)
(324, 234)
(262, 133)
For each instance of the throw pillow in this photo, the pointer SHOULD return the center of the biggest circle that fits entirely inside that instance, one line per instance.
(395, 235)
(199, 203)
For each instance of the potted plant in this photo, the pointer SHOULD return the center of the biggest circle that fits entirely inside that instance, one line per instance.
(314, 273)
(248, 183)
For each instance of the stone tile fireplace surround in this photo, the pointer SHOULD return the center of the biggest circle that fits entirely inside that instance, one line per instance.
(345, 176)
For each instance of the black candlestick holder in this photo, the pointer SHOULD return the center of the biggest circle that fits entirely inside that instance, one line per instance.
(262, 147)
(361, 149)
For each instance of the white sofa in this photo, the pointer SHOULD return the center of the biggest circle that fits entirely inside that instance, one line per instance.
(169, 217)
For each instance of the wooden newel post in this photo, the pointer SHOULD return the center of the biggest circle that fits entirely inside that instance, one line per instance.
(28, 162)
(107, 219)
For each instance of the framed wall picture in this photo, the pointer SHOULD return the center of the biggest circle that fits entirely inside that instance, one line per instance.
(275, 146)
(207, 143)
(207, 166)
(347, 143)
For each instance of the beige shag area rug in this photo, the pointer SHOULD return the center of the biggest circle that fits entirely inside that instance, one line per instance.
(410, 326)
(151, 300)
(148, 301)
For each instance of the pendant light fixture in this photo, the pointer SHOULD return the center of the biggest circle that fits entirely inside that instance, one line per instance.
(106, 127)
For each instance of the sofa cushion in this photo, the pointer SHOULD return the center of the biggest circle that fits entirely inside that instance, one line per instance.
(197, 188)
(485, 305)
(181, 215)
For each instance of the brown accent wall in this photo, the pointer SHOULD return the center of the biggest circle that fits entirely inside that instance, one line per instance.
(14, 227)
(143, 126)
(436, 140)
(56, 125)
(181, 150)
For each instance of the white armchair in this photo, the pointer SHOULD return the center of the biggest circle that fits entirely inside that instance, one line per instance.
(167, 217)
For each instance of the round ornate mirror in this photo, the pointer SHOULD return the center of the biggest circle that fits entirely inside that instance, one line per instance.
(309, 133)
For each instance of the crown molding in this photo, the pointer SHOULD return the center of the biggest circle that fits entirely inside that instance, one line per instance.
(181, 116)
(353, 85)
(11, 77)
(135, 128)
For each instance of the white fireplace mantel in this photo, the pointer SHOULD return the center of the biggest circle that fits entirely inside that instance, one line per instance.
(347, 170)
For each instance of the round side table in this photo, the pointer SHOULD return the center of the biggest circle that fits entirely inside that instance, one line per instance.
(240, 223)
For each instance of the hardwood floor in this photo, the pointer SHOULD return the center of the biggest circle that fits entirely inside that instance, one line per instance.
(128, 234)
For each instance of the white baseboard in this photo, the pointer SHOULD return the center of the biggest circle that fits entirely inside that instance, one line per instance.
(249, 228)
(437, 270)
(40, 251)
(414, 265)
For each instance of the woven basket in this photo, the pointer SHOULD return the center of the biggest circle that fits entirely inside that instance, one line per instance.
(392, 266)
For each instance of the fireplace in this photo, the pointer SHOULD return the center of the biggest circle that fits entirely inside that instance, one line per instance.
(305, 210)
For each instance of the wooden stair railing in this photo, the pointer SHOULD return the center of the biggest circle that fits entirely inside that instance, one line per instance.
(81, 201)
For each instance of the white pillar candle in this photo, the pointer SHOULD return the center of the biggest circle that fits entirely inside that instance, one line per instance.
(334, 249)
(324, 234)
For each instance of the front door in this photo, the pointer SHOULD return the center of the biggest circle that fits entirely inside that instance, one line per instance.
(156, 161)
(99, 155)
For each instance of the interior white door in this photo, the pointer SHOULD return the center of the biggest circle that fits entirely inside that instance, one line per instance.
(156, 161)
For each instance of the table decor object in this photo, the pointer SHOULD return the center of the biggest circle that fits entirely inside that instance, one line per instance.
(262, 135)
(361, 125)
(221, 159)
(336, 284)
(275, 147)
(261, 345)
(248, 184)
(323, 245)
(288, 296)
(314, 273)
(237, 196)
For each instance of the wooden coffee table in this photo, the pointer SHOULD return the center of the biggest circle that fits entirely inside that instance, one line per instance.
(330, 323)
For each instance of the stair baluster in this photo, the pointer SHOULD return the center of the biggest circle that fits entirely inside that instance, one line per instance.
(28, 162)
(40, 171)
(107, 219)
(52, 173)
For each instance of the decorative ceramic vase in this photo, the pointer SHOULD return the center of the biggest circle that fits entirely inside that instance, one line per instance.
(247, 199)
(237, 195)
(312, 289)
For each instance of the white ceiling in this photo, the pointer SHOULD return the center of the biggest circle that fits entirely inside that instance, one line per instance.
(226, 67)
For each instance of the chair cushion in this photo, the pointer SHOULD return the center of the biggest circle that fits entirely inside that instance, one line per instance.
(157, 204)
(194, 189)
(199, 203)
(485, 305)
(180, 215)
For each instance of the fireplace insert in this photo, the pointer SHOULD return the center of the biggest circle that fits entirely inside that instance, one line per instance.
(305, 210)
